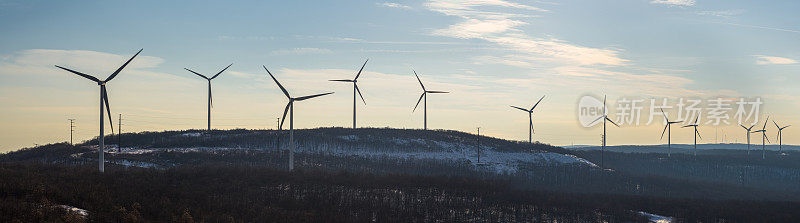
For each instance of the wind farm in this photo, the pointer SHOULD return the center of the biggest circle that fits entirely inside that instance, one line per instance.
(697, 133)
(355, 90)
(530, 118)
(290, 110)
(424, 99)
(271, 148)
(103, 101)
(210, 99)
(764, 139)
(668, 130)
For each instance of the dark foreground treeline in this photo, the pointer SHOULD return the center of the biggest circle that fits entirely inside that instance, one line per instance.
(29, 192)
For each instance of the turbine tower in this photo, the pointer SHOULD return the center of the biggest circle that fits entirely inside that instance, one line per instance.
(748, 131)
(696, 133)
(210, 104)
(668, 129)
(425, 95)
(530, 118)
(605, 118)
(355, 90)
(780, 136)
(290, 109)
(103, 100)
(763, 132)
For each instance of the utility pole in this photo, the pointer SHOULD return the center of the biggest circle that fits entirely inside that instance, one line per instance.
(119, 134)
(479, 144)
(71, 129)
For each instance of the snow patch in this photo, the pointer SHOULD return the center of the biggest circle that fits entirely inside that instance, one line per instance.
(81, 212)
(133, 163)
(192, 134)
(491, 159)
(656, 218)
(349, 137)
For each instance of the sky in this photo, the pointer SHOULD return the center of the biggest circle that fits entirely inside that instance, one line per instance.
(489, 54)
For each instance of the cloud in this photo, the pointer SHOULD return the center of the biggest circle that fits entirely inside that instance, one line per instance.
(98, 64)
(393, 5)
(475, 28)
(302, 51)
(721, 13)
(483, 20)
(765, 60)
(759, 27)
(674, 2)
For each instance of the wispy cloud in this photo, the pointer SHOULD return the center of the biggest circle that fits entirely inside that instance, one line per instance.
(759, 27)
(393, 5)
(302, 51)
(765, 60)
(721, 13)
(482, 20)
(674, 2)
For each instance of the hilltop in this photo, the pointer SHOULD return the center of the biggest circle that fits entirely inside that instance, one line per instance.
(557, 183)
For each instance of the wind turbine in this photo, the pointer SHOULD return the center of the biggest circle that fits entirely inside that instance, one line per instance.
(425, 95)
(696, 133)
(290, 109)
(605, 118)
(763, 132)
(103, 99)
(355, 90)
(530, 118)
(209, 91)
(668, 129)
(748, 136)
(780, 136)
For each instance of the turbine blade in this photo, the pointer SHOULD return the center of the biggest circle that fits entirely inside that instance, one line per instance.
(420, 81)
(418, 101)
(108, 107)
(744, 127)
(526, 110)
(531, 125)
(785, 127)
(285, 110)
(359, 94)
(90, 77)
(776, 124)
(438, 92)
(276, 82)
(765, 137)
(123, 66)
(698, 133)
(696, 119)
(311, 96)
(210, 100)
(665, 115)
(765, 123)
(665, 130)
(362, 68)
(342, 80)
(537, 103)
(198, 74)
(604, 105)
(612, 122)
(686, 126)
(598, 118)
(220, 72)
